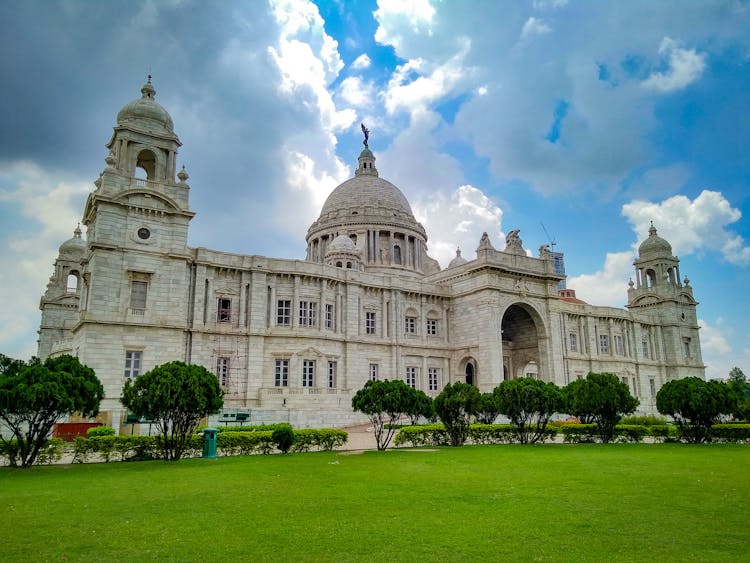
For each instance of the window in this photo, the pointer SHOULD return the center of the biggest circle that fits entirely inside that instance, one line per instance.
(411, 377)
(410, 325)
(224, 313)
(604, 344)
(331, 375)
(433, 376)
(133, 363)
(432, 327)
(72, 285)
(307, 313)
(138, 292)
(281, 378)
(619, 348)
(308, 373)
(625, 380)
(573, 339)
(686, 347)
(329, 316)
(645, 348)
(652, 386)
(396, 254)
(370, 322)
(283, 312)
(222, 371)
(374, 372)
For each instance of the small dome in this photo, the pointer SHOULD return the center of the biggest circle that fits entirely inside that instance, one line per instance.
(342, 244)
(75, 245)
(654, 245)
(146, 113)
(458, 260)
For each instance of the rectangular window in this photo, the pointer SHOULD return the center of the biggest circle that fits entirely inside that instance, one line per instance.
(331, 375)
(281, 378)
(604, 344)
(138, 293)
(329, 316)
(644, 348)
(283, 312)
(374, 372)
(410, 325)
(133, 363)
(224, 313)
(686, 347)
(573, 338)
(432, 327)
(619, 348)
(433, 377)
(411, 377)
(370, 322)
(625, 380)
(308, 311)
(222, 371)
(308, 373)
(652, 386)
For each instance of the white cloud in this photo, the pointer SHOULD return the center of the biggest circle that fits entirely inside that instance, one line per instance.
(415, 85)
(692, 226)
(458, 220)
(356, 92)
(362, 61)
(534, 27)
(608, 286)
(51, 208)
(395, 17)
(685, 67)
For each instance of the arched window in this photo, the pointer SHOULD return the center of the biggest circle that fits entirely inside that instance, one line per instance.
(470, 373)
(72, 285)
(146, 162)
(650, 278)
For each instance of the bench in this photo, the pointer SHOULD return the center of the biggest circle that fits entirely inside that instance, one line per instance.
(234, 417)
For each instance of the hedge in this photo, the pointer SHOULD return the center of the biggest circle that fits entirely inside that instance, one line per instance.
(731, 433)
(435, 434)
(248, 428)
(228, 443)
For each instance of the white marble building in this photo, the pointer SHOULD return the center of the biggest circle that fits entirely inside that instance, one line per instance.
(295, 339)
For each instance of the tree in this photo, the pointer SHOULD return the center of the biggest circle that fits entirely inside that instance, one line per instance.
(601, 398)
(175, 396)
(419, 405)
(529, 403)
(695, 405)
(488, 410)
(383, 402)
(740, 389)
(456, 405)
(35, 396)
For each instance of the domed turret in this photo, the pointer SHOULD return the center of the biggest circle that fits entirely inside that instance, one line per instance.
(654, 245)
(75, 245)
(343, 253)
(146, 113)
(458, 260)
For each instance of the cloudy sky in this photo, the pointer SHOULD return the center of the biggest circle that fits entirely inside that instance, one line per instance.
(591, 118)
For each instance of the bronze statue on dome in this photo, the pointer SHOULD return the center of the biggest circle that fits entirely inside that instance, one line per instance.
(366, 133)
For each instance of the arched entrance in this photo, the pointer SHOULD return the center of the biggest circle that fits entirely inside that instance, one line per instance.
(520, 338)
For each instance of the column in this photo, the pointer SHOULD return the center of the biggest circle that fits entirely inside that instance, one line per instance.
(295, 303)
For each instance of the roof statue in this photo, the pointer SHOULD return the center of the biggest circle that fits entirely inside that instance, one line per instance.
(366, 133)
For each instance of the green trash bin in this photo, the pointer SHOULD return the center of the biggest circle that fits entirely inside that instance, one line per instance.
(209, 443)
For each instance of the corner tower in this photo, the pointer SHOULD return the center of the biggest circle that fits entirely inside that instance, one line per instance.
(668, 304)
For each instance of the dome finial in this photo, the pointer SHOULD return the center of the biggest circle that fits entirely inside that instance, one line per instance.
(147, 90)
(366, 133)
(652, 230)
(77, 232)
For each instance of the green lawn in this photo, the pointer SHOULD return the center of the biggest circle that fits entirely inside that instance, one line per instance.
(625, 502)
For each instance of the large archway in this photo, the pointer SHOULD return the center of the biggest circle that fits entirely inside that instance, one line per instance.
(520, 338)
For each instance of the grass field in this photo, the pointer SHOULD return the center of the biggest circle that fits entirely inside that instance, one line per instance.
(625, 502)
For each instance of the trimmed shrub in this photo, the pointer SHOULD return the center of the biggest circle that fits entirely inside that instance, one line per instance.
(51, 451)
(245, 443)
(319, 438)
(663, 433)
(436, 435)
(731, 433)
(283, 437)
(100, 431)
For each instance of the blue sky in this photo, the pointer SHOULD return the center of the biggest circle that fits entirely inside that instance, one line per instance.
(593, 118)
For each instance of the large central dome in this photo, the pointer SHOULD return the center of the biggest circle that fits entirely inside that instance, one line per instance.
(366, 198)
(377, 218)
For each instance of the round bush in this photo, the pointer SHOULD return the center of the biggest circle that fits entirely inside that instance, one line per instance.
(283, 437)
